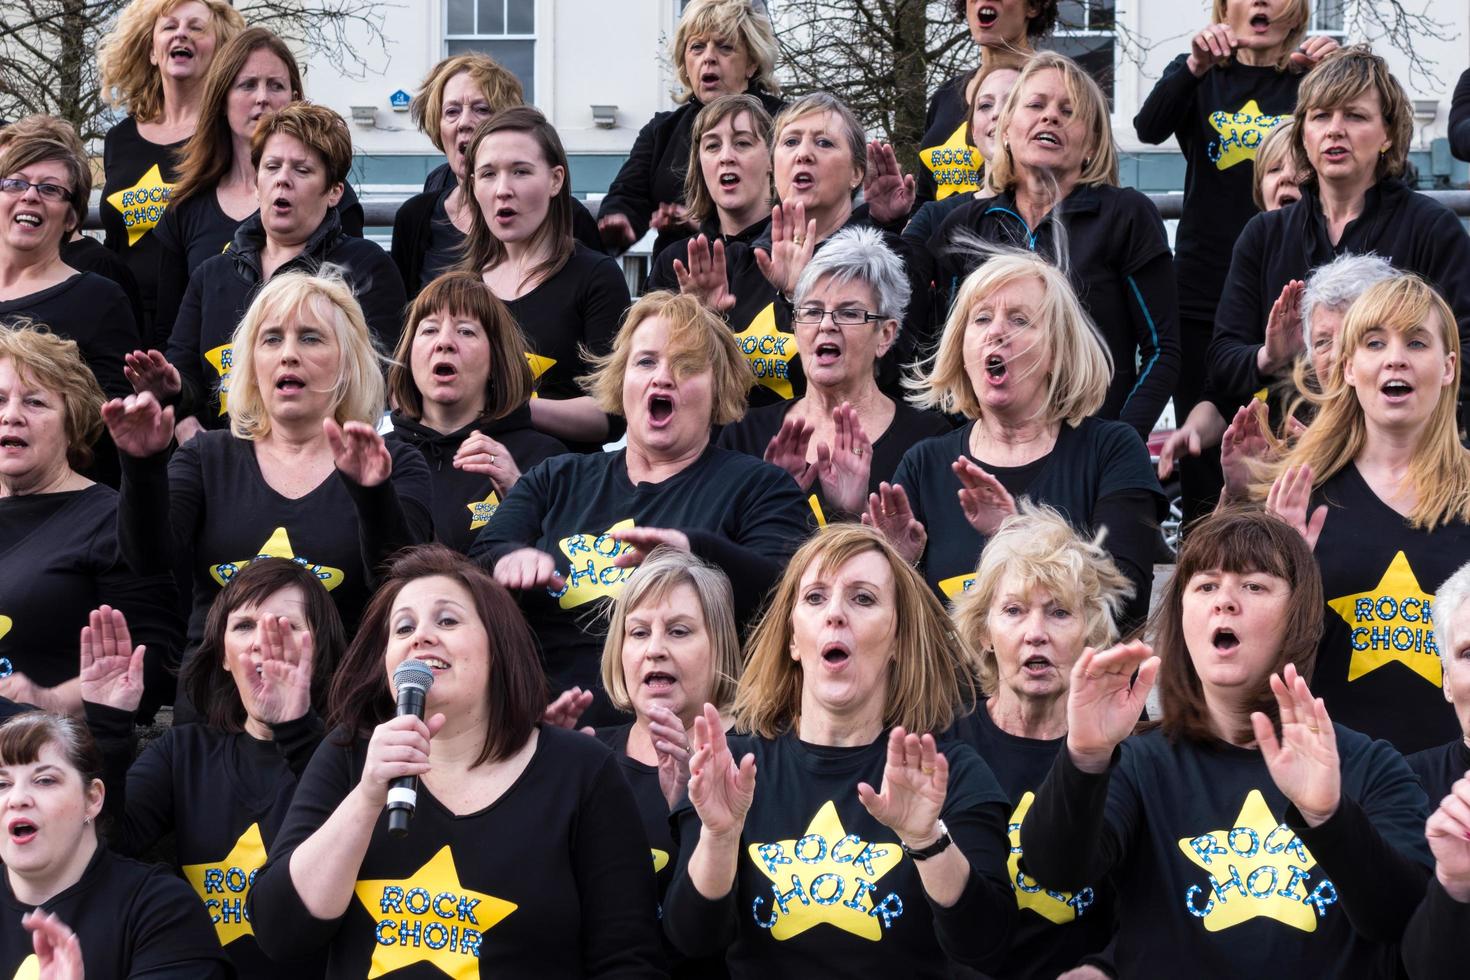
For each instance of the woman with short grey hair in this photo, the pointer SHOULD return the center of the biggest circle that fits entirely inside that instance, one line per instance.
(843, 436)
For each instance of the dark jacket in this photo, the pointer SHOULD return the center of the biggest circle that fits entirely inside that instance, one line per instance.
(1460, 118)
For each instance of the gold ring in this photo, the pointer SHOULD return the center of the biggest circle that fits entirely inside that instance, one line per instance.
(927, 770)
(857, 450)
(796, 240)
(1314, 729)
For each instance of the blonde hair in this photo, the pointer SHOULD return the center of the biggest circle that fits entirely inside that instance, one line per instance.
(698, 340)
(55, 363)
(326, 298)
(697, 199)
(1276, 147)
(931, 672)
(1440, 470)
(500, 88)
(663, 571)
(1042, 550)
(732, 20)
(1300, 9)
(1100, 166)
(128, 79)
(1081, 368)
(852, 129)
(1337, 79)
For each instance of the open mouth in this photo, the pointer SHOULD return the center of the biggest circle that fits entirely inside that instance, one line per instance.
(729, 179)
(1048, 138)
(1036, 664)
(444, 371)
(826, 353)
(505, 214)
(281, 205)
(434, 663)
(995, 368)
(803, 181)
(12, 442)
(709, 79)
(986, 16)
(290, 383)
(1260, 23)
(660, 408)
(181, 54)
(835, 656)
(1287, 197)
(659, 682)
(1225, 640)
(1394, 388)
(28, 219)
(22, 831)
(1336, 153)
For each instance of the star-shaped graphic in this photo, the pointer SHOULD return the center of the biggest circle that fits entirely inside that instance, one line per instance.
(539, 365)
(769, 350)
(954, 163)
(956, 585)
(5, 624)
(1054, 906)
(1256, 868)
(278, 546)
(482, 510)
(430, 916)
(1393, 621)
(143, 204)
(827, 876)
(222, 360)
(660, 859)
(224, 885)
(1241, 133)
(592, 574)
(29, 969)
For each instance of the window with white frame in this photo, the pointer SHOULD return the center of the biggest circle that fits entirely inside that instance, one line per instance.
(1329, 18)
(503, 29)
(1086, 33)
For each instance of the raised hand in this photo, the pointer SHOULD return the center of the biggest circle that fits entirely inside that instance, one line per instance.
(793, 239)
(1312, 50)
(280, 679)
(671, 217)
(845, 467)
(705, 277)
(889, 512)
(567, 709)
(616, 231)
(58, 951)
(1448, 832)
(111, 667)
(150, 371)
(1303, 763)
(915, 780)
(985, 502)
(644, 540)
(1290, 497)
(1243, 445)
(1283, 331)
(1213, 46)
(1106, 700)
(671, 745)
(399, 747)
(1204, 427)
(888, 191)
(360, 453)
(139, 426)
(481, 454)
(528, 568)
(720, 789)
(788, 448)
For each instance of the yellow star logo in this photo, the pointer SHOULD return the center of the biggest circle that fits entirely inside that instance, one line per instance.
(142, 204)
(770, 351)
(956, 585)
(1258, 867)
(1393, 621)
(29, 969)
(278, 546)
(224, 885)
(825, 876)
(5, 624)
(539, 365)
(430, 916)
(222, 360)
(592, 574)
(1240, 134)
(660, 859)
(1058, 907)
(954, 163)
(482, 510)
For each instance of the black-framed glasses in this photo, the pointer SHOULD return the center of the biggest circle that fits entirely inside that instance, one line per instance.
(846, 317)
(50, 192)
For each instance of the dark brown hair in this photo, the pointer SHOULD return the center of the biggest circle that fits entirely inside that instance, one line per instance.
(210, 688)
(318, 128)
(23, 737)
(516, 693)
(1235, 540)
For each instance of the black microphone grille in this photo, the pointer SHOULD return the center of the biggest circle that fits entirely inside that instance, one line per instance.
(413, 673)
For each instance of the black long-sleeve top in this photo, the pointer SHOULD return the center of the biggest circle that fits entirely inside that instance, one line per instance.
(1460, 118)
(1220, 120)
(661, 273)
(823, 889)
(207, 512)
(551, 880)
(87, 254)
(138, 180)
(653, 174)
(221, 289)
(1410, 230)
(1437, 941)
(134, 921)
(221, 798)
(1441, 767)
(948, 163)
(743, 514)
(1117, 259)
(1217, 870)
(93, 311)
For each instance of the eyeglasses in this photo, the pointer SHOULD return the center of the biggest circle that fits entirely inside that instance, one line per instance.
(50, 192)
(846, 317)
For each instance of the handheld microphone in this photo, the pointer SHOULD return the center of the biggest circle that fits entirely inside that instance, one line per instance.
(412, 680)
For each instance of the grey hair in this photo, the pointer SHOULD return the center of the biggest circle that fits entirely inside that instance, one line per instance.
(1335, 285)
(859, 254)
(1448, 599)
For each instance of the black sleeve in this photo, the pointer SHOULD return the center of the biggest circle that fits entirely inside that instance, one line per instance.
(1132, 541)
(171, 935)
(182, 347)
(584, 227)
(1153, 306)
(297, 740)
(987, 897)
(1168, 106)
(387, 520)
(631, 192)
(173, 278)
(751, 573)
(158, 508)
(1460, 118)
(1437, 942)
(662, 275)
(148, 815)
(404, 249)
(118, 337)
(517, 522)
(1240, 330)
(350, 212)
(1066, 838)
(604, 301)
(379, 289)
(697, 926)
(151, 605)
(112, 730)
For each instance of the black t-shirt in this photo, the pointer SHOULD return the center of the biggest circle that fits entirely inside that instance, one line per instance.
(948, 164)
(139, 177)
(94, 312)
(1219, 876)
(87, 254)
(1378, 667)
(132, 920)
(1220, 120)
(550, 880)
(1054, 929)
(1440, 768)
(823, 889)
(465, 501)
(1437, 941)
(744, 514)
(910, 426)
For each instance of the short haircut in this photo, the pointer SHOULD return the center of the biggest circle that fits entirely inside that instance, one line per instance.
(1449, 598)
(1301, 10)
(465, 295)
(1038, 25)
(44, 139)
(1039, 547)
(699, 340)
(1340, 77)
(326, 298)
(55, 363)
(24, 736)
(697, 199)
(1338, 284)
(932, 666)
(852, 129)
(1100, 165)
(318, 128)
(210, 688)
(1082, 368)
(859, 254)
(1275, 148)
(740, 21)
(664, 570)
(500, 88)
(129, 81)
(361, 698)
(1002, 61)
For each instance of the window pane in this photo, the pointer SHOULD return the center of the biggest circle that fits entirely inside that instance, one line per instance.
(1071, 15)
(461, 19)
(492, 17)
(1100, 16)
(522, 17)
(518, 57)
(1328, 15)
(1094, 54)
